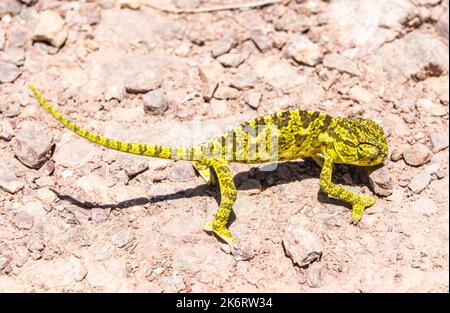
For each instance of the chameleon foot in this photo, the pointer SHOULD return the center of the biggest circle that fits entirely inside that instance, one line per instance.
(222, 232)
(358, 208)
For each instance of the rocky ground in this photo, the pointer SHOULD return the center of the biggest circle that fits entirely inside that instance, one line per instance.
(77, 217)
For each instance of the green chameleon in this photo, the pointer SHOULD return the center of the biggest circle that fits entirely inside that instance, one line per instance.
(281, 136)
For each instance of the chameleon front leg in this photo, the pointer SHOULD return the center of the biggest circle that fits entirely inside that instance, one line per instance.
(205, 172)
(319, 159)
(359, 203)
(228, 196)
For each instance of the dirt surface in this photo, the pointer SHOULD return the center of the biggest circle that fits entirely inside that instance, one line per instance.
(77, 217)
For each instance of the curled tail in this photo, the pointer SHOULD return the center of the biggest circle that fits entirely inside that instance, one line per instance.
(164, 152)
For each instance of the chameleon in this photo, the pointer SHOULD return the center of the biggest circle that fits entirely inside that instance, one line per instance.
(281, 136)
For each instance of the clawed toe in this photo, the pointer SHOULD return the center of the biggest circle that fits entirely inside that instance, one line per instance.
(222, 233)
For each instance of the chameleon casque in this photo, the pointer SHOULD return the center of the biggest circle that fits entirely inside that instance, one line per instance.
(281, 136)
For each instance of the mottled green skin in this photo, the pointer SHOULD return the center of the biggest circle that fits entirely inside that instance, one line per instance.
(282, 136)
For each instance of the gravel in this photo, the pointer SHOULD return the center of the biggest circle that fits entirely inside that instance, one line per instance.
(119, 227)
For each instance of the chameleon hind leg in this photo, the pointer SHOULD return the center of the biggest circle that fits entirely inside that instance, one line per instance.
(359, 203)
(205, 172)
(228, 196)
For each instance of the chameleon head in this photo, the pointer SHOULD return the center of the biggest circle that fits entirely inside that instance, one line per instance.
(359, 142)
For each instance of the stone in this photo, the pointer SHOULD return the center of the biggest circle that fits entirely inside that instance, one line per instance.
(4, 262)
(372, 22)
(244, 80)
(187, 4)
(314, 274)
(23, 220)
(361, 95)
(224, 45)
(115, 92)
(397, 153)
(300, 244)
(14, 55)
(121, 238)
(34, 208)
(252, 98)
(2, 38)
(183, 50)
(261, 41)
(79, 270)
(417, 155)
(278, 73)
(155, 102)
(19, 36)
(127, 70)
(130, 4)
(303, 50)
(33, 144)
(29, 2)
(341, 63)
(406, 105)
(51, 29)
(141, 84)
(134, 168)
(419, 182)
(6, 130)
(424, 206)
(73, 152)
(9, 72)
(225, 93)
(7, 7)
(182, 171)
(442, 26)
(439, 140)
(410, 118)
(418, 50)
(9, 181)
(381, 182)
(242, 253)
(35, 242)
(46, 195)
(99, 215)
(232, 59)
(209, 90)
(430, 107)
(427, 2)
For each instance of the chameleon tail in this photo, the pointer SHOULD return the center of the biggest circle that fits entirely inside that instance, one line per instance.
(164, 152)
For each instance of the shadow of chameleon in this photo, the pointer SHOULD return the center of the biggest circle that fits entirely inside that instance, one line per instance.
(294, 171)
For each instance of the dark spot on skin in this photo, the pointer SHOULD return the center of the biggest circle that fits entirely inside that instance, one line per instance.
(299, 139)
(244, 125)
(158, 150)
(326, 123)
(260, 121)
(306, 120)
(142, 149)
